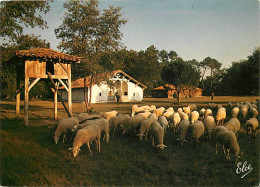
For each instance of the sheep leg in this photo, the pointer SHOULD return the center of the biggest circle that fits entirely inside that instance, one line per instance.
(89, 149)
(153, 141)
(146, 134)
(64, 136)
(224, 152)
(216, 148)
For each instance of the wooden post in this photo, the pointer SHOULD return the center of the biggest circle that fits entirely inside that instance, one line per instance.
(26, 93)
(69, 90)
(18, 95)
(55, 91)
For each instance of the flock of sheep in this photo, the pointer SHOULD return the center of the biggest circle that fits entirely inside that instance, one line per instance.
(150, 120)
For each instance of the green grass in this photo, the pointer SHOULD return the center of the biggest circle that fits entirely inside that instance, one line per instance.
(29, 157)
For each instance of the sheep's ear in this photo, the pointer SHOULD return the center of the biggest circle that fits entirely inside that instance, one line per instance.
(69, 149)
(164, 145)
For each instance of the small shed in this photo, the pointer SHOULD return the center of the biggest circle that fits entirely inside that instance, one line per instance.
(128, 88)
(41, 63)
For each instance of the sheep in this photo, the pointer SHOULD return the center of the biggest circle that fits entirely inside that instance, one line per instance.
(134, 108)
(170, 109)
(253, 112)
(159, 111)
(202, 113)
(115, 121)
(168, 115)
(229, 104)
(108, 115)
(234, 112)
(145, 126)
(184, 127)
(141, 109)
(194, 116)
(85, 136)
(132, 124)
(196, 130)
(184, 116)
(145, 114)
(219, 106)
(251, 126)
(192, 107)
(208, 112)
(176, 119)
(152, 108)
(179, 110)
(85, 116)
(186, 110)
(156, 131)
(210, 125)
(243, 111)
(221, 116)
(163, 122)
(233, 125)
(64, 126)
(228, 140)
(212, 105)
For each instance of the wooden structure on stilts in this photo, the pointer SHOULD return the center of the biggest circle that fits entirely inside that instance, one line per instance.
(41, 63)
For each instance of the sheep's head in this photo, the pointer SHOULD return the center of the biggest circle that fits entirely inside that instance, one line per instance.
(75, 128)
(75, 151)
(249, 129)
(161, 146)
(56, 139)
(140, 136)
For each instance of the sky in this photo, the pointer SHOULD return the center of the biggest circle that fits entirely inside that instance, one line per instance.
(225, 30)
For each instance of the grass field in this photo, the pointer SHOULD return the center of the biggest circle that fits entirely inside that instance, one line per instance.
(29, 156)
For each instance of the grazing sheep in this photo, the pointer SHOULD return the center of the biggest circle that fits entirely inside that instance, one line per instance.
(221, 116)
(208, 112)
(85, 136)
(229, 142)
(253, 112)
(210, 125)
(170, 109)
(145, 126)
(108, 115)
(233, 125)
(179, 110)
(184, 127)
(159, 111)
(219, 106)
(202, 113)
(186, 110)
(229, 104)
(168, 115)
(145, 114)
(163, 122)
(85, 116)
(194, 116)
(176, 119)
(251, 126)
(243, 111)
(184, 116)
(234, 112)
(152, 108)
(156, 131)
(196, 130)
(212, 105)
(115, 121)
(192, 107)
(132, 125)
(65, 126)
(133, 109)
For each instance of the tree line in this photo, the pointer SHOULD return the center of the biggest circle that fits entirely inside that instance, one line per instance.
(95, 35)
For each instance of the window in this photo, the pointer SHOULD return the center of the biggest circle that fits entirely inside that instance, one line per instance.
(134, 94)
(125, 93)
(100, 94)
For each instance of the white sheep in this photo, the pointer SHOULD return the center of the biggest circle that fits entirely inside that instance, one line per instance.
(168, 115)
(221, 116)
(115, 121)
(145, 126)
(233, 125)
(192, 107)
(133, 109)
(159, 111)
(243, 110)
(85, 136)
(163, 122)
(176, 119)
(156, 131)
(152, 108)
(208, 112)
(64, 126)
(234, 112)
(132, 124)
(194, 116)
(202, 113)
(184, 127)
(145, 114)
(186, 110)
(229, 142)
(82, 117)
(179, 110)
(184, 116)
(210, 125)
(170, 109)
(253, 112)
(212, 105)
(108, 115)
(251, 126)
(196, 130)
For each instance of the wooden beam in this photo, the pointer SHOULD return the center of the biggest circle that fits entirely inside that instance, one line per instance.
(18, 95)
(26, 94)
(65, 86)
(46, 76)
(56, 100)
(59, 96)
(33, 83)
(64, 68)
(69, 89)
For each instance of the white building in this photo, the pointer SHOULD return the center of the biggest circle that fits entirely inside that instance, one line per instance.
(127, 87)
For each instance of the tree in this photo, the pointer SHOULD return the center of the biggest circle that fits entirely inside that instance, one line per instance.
(89, 33)
(181, 74)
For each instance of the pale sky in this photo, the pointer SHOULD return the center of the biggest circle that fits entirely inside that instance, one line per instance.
(227, 30)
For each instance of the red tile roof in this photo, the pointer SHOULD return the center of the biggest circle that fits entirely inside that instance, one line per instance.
(47, 53)
(171, 87)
